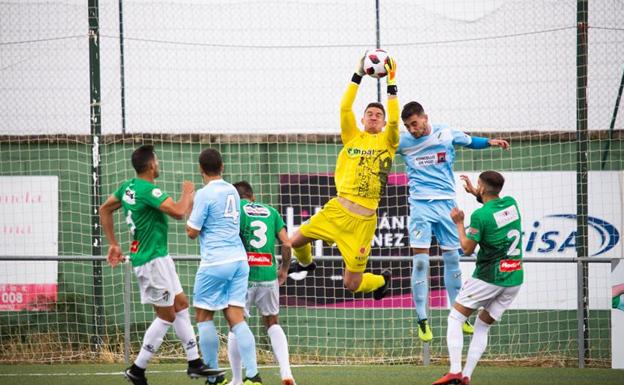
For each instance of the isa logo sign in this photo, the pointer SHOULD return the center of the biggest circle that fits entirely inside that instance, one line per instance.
(547, 202)
(557, 233)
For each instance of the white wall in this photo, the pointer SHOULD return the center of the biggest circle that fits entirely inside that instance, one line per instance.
(281, 66)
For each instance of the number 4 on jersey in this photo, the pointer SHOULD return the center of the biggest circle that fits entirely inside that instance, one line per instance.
(231, 208)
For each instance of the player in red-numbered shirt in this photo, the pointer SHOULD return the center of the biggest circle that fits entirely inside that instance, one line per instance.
(495, 283)
(146, 208)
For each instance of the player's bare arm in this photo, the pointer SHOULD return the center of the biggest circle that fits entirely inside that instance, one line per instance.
(107, 209)
(503, 144)
(467, 245)
(180, 208)
(282, 273)
(468, 186)
(191, 232)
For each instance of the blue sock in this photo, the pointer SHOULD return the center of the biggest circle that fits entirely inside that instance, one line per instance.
(246, 347)
(452, 274)
(209, 344)
(420, 284)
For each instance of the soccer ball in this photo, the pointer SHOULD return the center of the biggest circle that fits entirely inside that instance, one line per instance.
(374, 62)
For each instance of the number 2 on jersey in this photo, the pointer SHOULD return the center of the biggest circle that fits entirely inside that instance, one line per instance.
(231, 208)
(513, 249)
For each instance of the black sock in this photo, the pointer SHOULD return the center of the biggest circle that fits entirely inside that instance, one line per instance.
(196, 363)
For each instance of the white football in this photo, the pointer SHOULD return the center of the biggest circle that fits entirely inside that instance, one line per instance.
(374, 63)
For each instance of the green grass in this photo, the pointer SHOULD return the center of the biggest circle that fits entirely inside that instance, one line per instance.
(172, 374)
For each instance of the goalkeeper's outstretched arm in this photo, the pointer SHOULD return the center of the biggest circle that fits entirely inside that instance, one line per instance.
(393, 104)
(348, 126)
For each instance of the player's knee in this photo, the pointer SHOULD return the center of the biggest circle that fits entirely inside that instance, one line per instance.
(421, 262)
(451, 259)
(486, 317)
(352, 284)
(270, 320)
(181, 302)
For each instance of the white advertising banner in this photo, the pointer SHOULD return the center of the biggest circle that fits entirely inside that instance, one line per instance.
(28, 226)
(617, 315)
(547, 202)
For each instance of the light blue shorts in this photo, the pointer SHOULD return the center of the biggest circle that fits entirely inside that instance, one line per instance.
(432, 216)
(220, 286)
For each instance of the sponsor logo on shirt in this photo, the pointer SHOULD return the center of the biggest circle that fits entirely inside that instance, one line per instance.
(473, 231)
(509, 265)
(506, 216)
(134, 246)
(157, 193)
(353, 152)
(129, 196)
(429, 160)
(256, 211)
(259, 259)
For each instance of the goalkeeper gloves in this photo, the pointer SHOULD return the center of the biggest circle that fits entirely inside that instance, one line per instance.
(391, 77)
(359, 70)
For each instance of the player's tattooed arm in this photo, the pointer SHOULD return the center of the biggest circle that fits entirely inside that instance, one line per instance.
(282, 273)
(468, 245)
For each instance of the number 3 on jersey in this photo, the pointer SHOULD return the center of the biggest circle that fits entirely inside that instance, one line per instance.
(260, 230)
(231, 208)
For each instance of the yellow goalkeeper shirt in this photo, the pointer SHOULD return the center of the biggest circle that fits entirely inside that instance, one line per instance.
(365, 160)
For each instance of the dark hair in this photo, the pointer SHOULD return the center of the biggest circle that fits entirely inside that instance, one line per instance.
(141, 158)
(210, 162)
(244, 189)
(376, 105)
(493, 181)
(411, 108)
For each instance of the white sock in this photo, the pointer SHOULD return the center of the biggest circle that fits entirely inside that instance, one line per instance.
(186, 334)
(455, 339)
(235, 359)
(280, 349)
(151, 341)
(477, 346)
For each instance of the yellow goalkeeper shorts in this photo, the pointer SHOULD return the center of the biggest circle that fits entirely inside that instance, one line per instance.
(352, 233)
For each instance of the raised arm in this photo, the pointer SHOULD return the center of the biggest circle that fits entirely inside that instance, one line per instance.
(392, 128)
(348, 126)
(468, 245)
(107, 209)
(478, 142)
(182, 207)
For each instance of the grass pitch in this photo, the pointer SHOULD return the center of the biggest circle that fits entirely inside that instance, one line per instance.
(174, 374)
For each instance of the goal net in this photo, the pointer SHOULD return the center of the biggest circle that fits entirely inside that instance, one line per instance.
(261, 82)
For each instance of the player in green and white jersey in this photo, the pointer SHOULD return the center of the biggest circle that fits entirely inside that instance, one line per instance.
(495, 283)
(260, 225)
(145, 208)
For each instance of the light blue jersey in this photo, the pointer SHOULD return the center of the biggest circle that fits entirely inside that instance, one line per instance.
(429, 160)
(216, 215)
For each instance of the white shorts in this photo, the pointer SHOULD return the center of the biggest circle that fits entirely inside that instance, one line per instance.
(264, 296)
(476, 293)
(158, 282)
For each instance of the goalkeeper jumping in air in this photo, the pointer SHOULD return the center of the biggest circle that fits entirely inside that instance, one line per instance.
(362, 168)
(495, 283)
(429, 153)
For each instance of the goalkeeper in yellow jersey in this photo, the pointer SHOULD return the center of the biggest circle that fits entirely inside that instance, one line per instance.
(362, 168)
